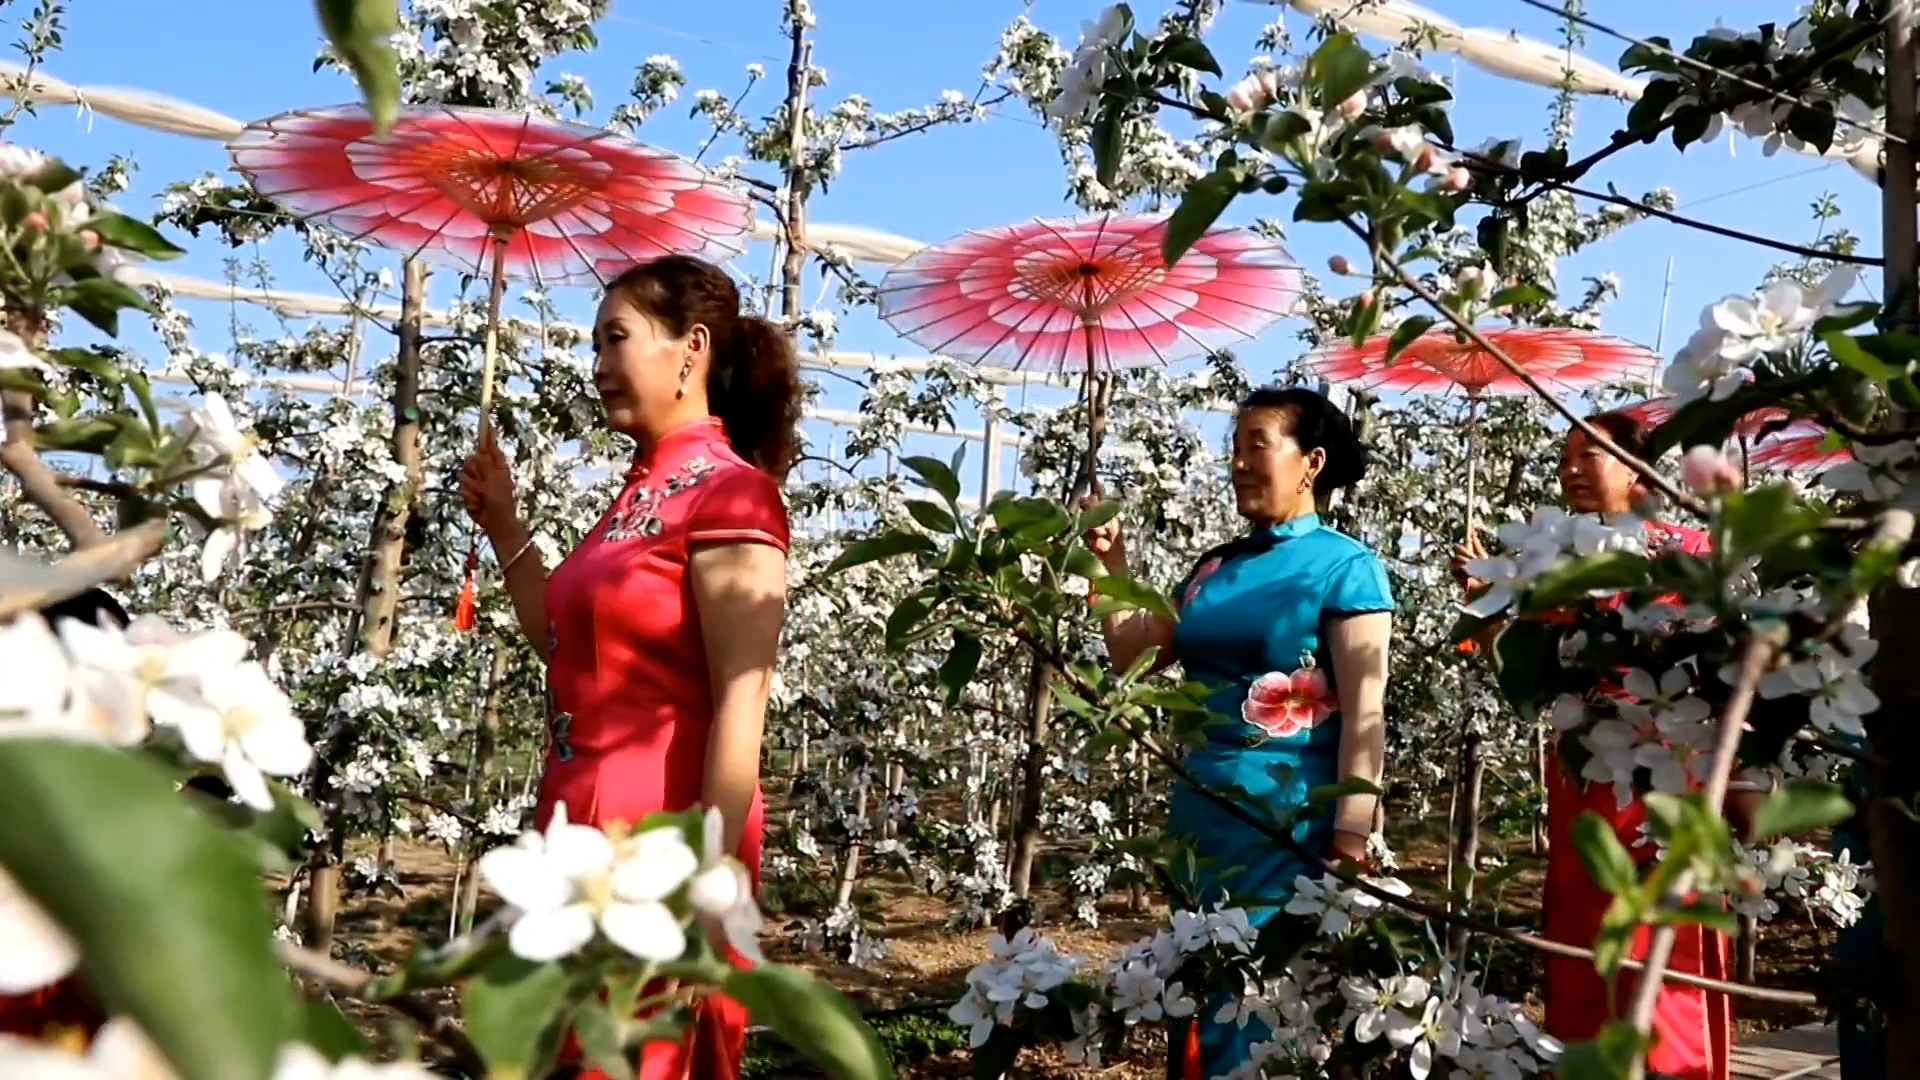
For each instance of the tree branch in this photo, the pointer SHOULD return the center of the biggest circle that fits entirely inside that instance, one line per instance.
(111, 560)
(353, 981)
(38, 481)
(1600, 438)
(1284, 838)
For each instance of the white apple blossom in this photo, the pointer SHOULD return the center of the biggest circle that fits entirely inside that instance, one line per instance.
(240, 719)
(721, 892)
(34, 950)
(572, 879)
(14, 353)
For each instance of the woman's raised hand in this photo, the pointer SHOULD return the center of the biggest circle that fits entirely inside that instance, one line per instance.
(486, 485)
(1473, 550)
(1103, 540)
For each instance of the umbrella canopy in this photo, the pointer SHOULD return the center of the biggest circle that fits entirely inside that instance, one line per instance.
(487, 191)
(1440, 360)
(1056, 294)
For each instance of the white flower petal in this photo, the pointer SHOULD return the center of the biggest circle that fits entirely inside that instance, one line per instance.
(647, 930)
(541, 936)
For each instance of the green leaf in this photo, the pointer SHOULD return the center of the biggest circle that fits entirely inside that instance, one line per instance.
(57, 176)
(599, 1037)
(1522, 295)
(1200, 206)
(1109, 146)
(1846, 317)
(932, 516)
(79, 434)
(937, 475)
(1189, 52)
(1618, 925)
(887, 545)
(511, 1011)
(1134, 593)
(1338, 68)
(1571, 581)
(1847, 350)
(121, 231)
(1610, 1056)
(813, 1018)
(1352, 785)
(1084, 563)
(99, 300)
(1412, 327)
(962, 663)
(360, 31)
(173, 928)
(1607, 861)
(1097, 515)
(909, 613)
(1526, 661)
(99, 365)
(325, 1028)
(1800, 806)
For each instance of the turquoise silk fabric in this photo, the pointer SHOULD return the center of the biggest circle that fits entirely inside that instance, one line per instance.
(1252, 609)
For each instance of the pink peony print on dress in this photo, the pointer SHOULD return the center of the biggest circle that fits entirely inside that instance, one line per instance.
(1283, 705)
(1200, 575)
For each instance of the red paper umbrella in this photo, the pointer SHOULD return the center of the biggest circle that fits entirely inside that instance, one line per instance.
(1439, 360)
(491, 193)
(1054, 294)
(1760, 422)
(1802, 446)
(1098, 293)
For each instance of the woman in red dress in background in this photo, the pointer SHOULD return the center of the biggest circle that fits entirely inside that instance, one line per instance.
(660, 630)
(1692, 1027)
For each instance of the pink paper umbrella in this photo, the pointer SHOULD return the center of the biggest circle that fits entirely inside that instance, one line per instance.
(493, 194)
(1438, 361)
(1776, 438)
(1095, 293)
(1804, 445)
(1441, 360)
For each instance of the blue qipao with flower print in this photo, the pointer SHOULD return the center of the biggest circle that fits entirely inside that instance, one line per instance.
(1253, 618)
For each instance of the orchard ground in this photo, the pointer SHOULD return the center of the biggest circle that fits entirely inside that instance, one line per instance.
(928, 963)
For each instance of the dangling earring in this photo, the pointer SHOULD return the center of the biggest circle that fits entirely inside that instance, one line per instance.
(686, 372)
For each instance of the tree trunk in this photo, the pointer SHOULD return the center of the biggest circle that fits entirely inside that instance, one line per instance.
(1026, 835)
(380, 591)
(486, 737)
(850, 870)
(1466, 827)
(379, 587)
(1893, 732)
(794, 262)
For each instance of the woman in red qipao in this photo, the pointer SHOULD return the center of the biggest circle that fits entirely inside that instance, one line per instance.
(1692, 1027)
(660, 629)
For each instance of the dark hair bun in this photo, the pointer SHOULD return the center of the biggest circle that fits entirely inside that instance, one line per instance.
(1317, 425)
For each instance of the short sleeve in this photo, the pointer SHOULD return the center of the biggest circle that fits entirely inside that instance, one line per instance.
(740, 505)
(1359, 586)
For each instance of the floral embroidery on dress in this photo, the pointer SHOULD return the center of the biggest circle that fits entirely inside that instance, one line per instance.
(1283, 705)
(558, 723)
(1201, 574)
(640, 516)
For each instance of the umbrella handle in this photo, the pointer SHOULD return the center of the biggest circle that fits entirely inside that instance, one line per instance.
(490, 360)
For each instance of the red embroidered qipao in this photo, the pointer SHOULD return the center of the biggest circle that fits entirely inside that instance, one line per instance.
(627, 674)
(1692, 1028)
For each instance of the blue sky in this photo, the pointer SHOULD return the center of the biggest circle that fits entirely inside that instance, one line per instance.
(250, 60)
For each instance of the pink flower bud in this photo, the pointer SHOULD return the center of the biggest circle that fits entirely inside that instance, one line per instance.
(89, 239)
(35, 221)
(1708, 471)
(1363, 301)
(1339, 265)
(1353, 106)
(1255, 92)
(1383, 141)
(1456, 180)
(1422, 158)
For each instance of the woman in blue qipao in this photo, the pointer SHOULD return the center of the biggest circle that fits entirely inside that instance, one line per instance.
(1289, 627)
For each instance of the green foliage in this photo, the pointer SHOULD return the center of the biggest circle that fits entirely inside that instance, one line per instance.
(172, 926)
(360, 31)
(1798, 807)
(812, 1018)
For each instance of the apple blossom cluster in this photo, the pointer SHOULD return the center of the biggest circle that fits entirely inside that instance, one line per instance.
(1310, 1009)
(1019, 974)
(639, 891)
(1543, 542)
(1738, 331)
(1830, 887)
(233, 482)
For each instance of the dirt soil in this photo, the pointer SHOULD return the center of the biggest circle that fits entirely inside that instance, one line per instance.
(928, 963)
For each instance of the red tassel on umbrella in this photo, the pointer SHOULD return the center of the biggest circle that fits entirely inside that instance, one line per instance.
(465, 608)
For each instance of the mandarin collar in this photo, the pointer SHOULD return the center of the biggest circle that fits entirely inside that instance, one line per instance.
(1292, 527)
(693, 433)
